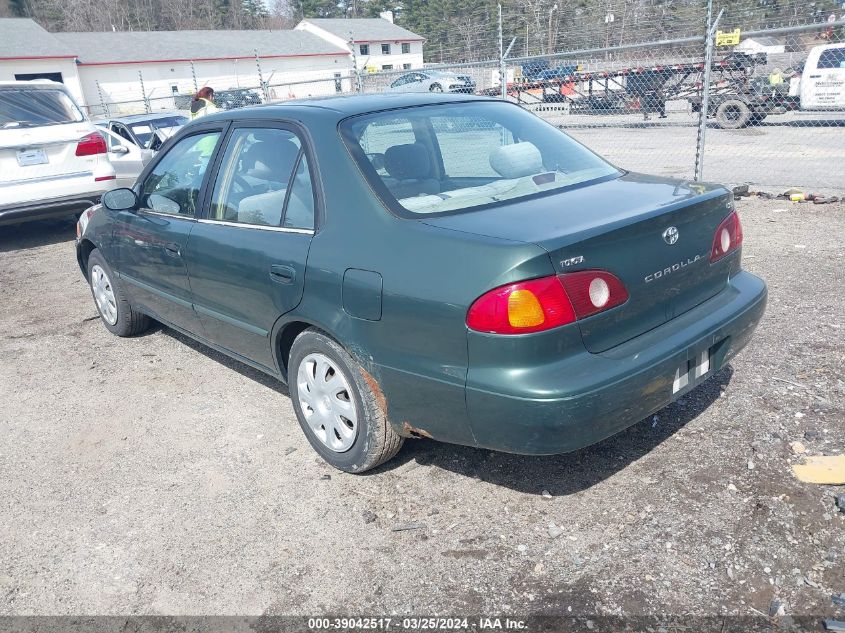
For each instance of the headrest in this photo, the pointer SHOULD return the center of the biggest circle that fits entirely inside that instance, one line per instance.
(270, 161)
(406, 162)
(517, 160)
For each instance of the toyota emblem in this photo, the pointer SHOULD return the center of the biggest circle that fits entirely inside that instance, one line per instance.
(670, 235)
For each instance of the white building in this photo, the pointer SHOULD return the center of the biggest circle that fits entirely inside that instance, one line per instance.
(126, 70)
(763, 44)
(377, 44)
(29, 52)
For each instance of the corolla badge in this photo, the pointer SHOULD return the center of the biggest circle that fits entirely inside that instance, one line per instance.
(670, 235)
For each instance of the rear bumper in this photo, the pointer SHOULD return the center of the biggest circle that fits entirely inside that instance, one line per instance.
(52, 208)
(582, 398)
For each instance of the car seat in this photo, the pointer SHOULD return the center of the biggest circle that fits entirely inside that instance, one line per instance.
(409, 168)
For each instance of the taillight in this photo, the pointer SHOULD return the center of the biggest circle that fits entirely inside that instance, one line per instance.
(91, 144)
(593, 291)
(545, 303)
(727, 239)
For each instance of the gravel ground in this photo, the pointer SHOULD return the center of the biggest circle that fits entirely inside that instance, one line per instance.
(153, 476)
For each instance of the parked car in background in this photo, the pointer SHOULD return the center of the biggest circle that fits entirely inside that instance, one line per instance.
(229, 99)
(502, 287)
(147, 131)
(127, 158)
(53, 161)
(433, 81)
(236, 98)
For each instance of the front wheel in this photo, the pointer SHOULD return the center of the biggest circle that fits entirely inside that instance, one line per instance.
(116, 313)
(436, 88)
(339, 405)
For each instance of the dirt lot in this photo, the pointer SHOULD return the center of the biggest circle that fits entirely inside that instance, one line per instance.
(153, 476)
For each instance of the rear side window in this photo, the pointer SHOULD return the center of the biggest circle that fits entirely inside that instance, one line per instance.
(174, 183)
(264, 181)
(22, 107)
(457, 157)
(832, 58)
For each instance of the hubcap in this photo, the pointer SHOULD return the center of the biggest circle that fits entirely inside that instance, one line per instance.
(325, 398)
(103, 294)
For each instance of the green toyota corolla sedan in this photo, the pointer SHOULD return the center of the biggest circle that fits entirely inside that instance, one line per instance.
(439, 266)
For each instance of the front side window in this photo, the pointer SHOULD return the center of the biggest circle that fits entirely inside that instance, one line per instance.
(34, 107)
(385, 49)
(406, 48)
(462, 156)
(174, 184)
(264, 181)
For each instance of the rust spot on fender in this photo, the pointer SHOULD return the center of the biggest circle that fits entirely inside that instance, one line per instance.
(407, 428)
(381, 401)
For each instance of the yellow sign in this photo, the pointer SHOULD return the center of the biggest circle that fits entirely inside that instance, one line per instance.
(731, 38)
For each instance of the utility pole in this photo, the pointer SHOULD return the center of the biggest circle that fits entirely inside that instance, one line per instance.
(550, 46)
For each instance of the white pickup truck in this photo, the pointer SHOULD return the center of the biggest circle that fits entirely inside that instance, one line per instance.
(822, 84)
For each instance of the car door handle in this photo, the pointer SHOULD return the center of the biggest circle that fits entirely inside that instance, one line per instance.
(282, 274)
(173, 249)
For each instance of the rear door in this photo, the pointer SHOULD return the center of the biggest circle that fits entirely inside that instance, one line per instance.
(40, 129)
(246, 255)
(151, 242)
(823, 79)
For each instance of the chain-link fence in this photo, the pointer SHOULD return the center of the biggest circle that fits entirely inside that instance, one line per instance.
(775, 103)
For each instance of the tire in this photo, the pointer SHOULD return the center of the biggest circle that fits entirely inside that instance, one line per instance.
(733, 114)
(354, 444)
(435, 88)
(115, 311)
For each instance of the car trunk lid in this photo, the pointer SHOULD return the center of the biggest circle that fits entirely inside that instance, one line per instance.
(619, 226)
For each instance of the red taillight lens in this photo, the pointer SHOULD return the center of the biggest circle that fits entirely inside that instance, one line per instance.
(520, 308)
(593, 291)
(542, 304)
(727, 239)
(93, 143)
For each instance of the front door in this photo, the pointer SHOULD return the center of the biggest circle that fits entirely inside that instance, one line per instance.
(246, 256)
(127, 158)
(151, 241)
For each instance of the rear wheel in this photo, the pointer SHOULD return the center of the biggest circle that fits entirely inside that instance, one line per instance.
(116, 313)
(733, 114)
(339, 405)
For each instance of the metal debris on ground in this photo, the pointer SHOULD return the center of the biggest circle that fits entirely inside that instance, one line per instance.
(404, 527)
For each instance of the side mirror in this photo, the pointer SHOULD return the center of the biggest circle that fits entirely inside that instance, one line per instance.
(119, 149)
(120, 200)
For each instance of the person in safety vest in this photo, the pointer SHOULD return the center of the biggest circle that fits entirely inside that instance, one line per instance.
(203, 103)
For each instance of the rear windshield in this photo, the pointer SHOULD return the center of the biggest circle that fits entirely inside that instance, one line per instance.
(459, 156)
(28, 107)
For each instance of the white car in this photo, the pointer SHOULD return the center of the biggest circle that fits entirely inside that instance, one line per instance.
(53, 160)
(433, 81)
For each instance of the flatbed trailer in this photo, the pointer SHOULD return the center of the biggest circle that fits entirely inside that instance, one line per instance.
(737, 97)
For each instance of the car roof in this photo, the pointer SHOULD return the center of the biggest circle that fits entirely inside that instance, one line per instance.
(34, 83)
(341, 107)
(135, 118)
